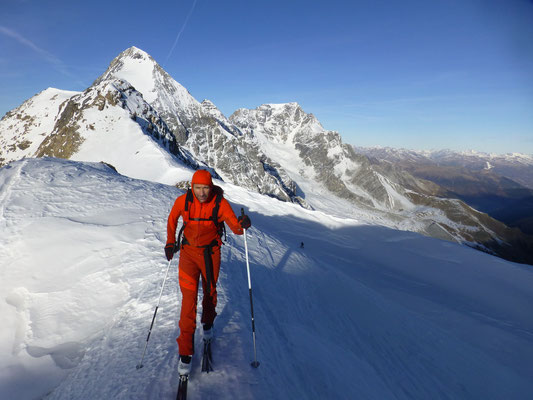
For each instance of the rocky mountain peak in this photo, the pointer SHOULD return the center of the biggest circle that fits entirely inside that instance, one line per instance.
(212, 110)
(130, 60)
(200, 127)
(136, 54)
(173, 101)
(286, 122)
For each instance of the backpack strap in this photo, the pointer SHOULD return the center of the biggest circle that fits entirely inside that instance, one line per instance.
(221, 228)
(188, 200)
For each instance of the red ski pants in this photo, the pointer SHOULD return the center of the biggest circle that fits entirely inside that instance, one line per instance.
(191, 266)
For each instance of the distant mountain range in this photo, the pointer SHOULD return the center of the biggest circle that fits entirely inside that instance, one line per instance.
(500, 185)
(515, 166)
(136, 111)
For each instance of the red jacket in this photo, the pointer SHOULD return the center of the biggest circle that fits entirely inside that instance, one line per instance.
(201, 233)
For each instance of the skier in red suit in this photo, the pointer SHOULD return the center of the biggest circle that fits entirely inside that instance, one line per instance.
(204, 210)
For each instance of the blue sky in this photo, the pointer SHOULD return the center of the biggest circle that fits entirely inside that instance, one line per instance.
(417, 74)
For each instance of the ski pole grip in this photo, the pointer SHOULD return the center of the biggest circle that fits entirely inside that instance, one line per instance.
(242, 211)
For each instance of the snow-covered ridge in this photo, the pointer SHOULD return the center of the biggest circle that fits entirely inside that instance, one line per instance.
(27, 126)
(113, 115)
(424, 318)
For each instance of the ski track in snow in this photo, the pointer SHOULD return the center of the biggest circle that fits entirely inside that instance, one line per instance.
(362, 311)
(9, 181)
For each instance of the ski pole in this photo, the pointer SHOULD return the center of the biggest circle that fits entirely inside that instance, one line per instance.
(140, 365)
(255, 363)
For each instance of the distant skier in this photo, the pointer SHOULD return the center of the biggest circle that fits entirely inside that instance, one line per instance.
(301, 245)
(204, 211)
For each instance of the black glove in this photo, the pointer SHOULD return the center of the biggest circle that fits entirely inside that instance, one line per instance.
(245, 222)
(170, 249)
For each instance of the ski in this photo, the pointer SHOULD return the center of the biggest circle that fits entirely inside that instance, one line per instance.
(207, 362)
(207, 359)
(182, 388)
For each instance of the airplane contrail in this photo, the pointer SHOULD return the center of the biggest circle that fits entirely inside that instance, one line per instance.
(19, 38)
(56, 62)
(181, 30)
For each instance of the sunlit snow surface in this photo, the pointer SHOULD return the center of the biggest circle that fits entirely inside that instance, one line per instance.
(362, 311)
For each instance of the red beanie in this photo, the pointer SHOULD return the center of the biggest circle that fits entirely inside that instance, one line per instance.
(202, 177)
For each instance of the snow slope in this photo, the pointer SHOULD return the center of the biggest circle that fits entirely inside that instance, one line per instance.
(116, 139)
(362, 311)
(28, 125)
